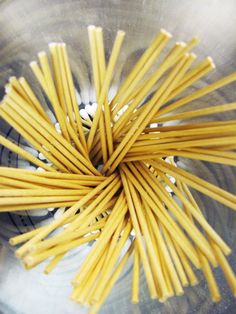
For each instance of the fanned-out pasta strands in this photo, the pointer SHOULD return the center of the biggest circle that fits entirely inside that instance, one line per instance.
(70, 212)
(147, 114)
(112, 173)
(165, 218)
(164, 66)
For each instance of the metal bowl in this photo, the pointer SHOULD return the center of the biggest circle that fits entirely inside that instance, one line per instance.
(26, 27)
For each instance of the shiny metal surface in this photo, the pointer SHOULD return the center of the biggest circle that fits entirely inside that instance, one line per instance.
(26, 27)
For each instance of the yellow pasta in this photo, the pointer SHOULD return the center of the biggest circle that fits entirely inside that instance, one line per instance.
(113, 175)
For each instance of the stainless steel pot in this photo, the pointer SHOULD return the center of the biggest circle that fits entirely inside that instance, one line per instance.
(26, 27)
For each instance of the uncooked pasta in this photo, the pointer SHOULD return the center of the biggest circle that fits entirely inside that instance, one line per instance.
(115, 173)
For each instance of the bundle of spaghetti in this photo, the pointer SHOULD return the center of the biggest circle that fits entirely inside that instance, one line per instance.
(192, 76)
(196, 213)
(191, 207)
(139, 124)
(196, 143)
(14, 199)
(194, 96)
(43, 136)
(167, 63)
(116, 179)
(66, 180)
(30, 188)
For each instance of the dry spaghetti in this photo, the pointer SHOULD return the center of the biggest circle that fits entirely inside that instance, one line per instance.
(126, 208)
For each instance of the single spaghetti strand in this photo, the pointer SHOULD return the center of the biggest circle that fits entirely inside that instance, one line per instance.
(34, 199)
(194, 131)
(100, 60)
(164, 142)
(76, 140)
(135, 275)
(201, 142)
(82, 179)
(114, 239)
(187, 266)
(198, 125)
(102, 72)
(24, 237)
(212, 285)
(228, 271)
(39, 76)
(53, 263)
(49, 183)
(94, 59)
(72, 124)
(194, 155)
